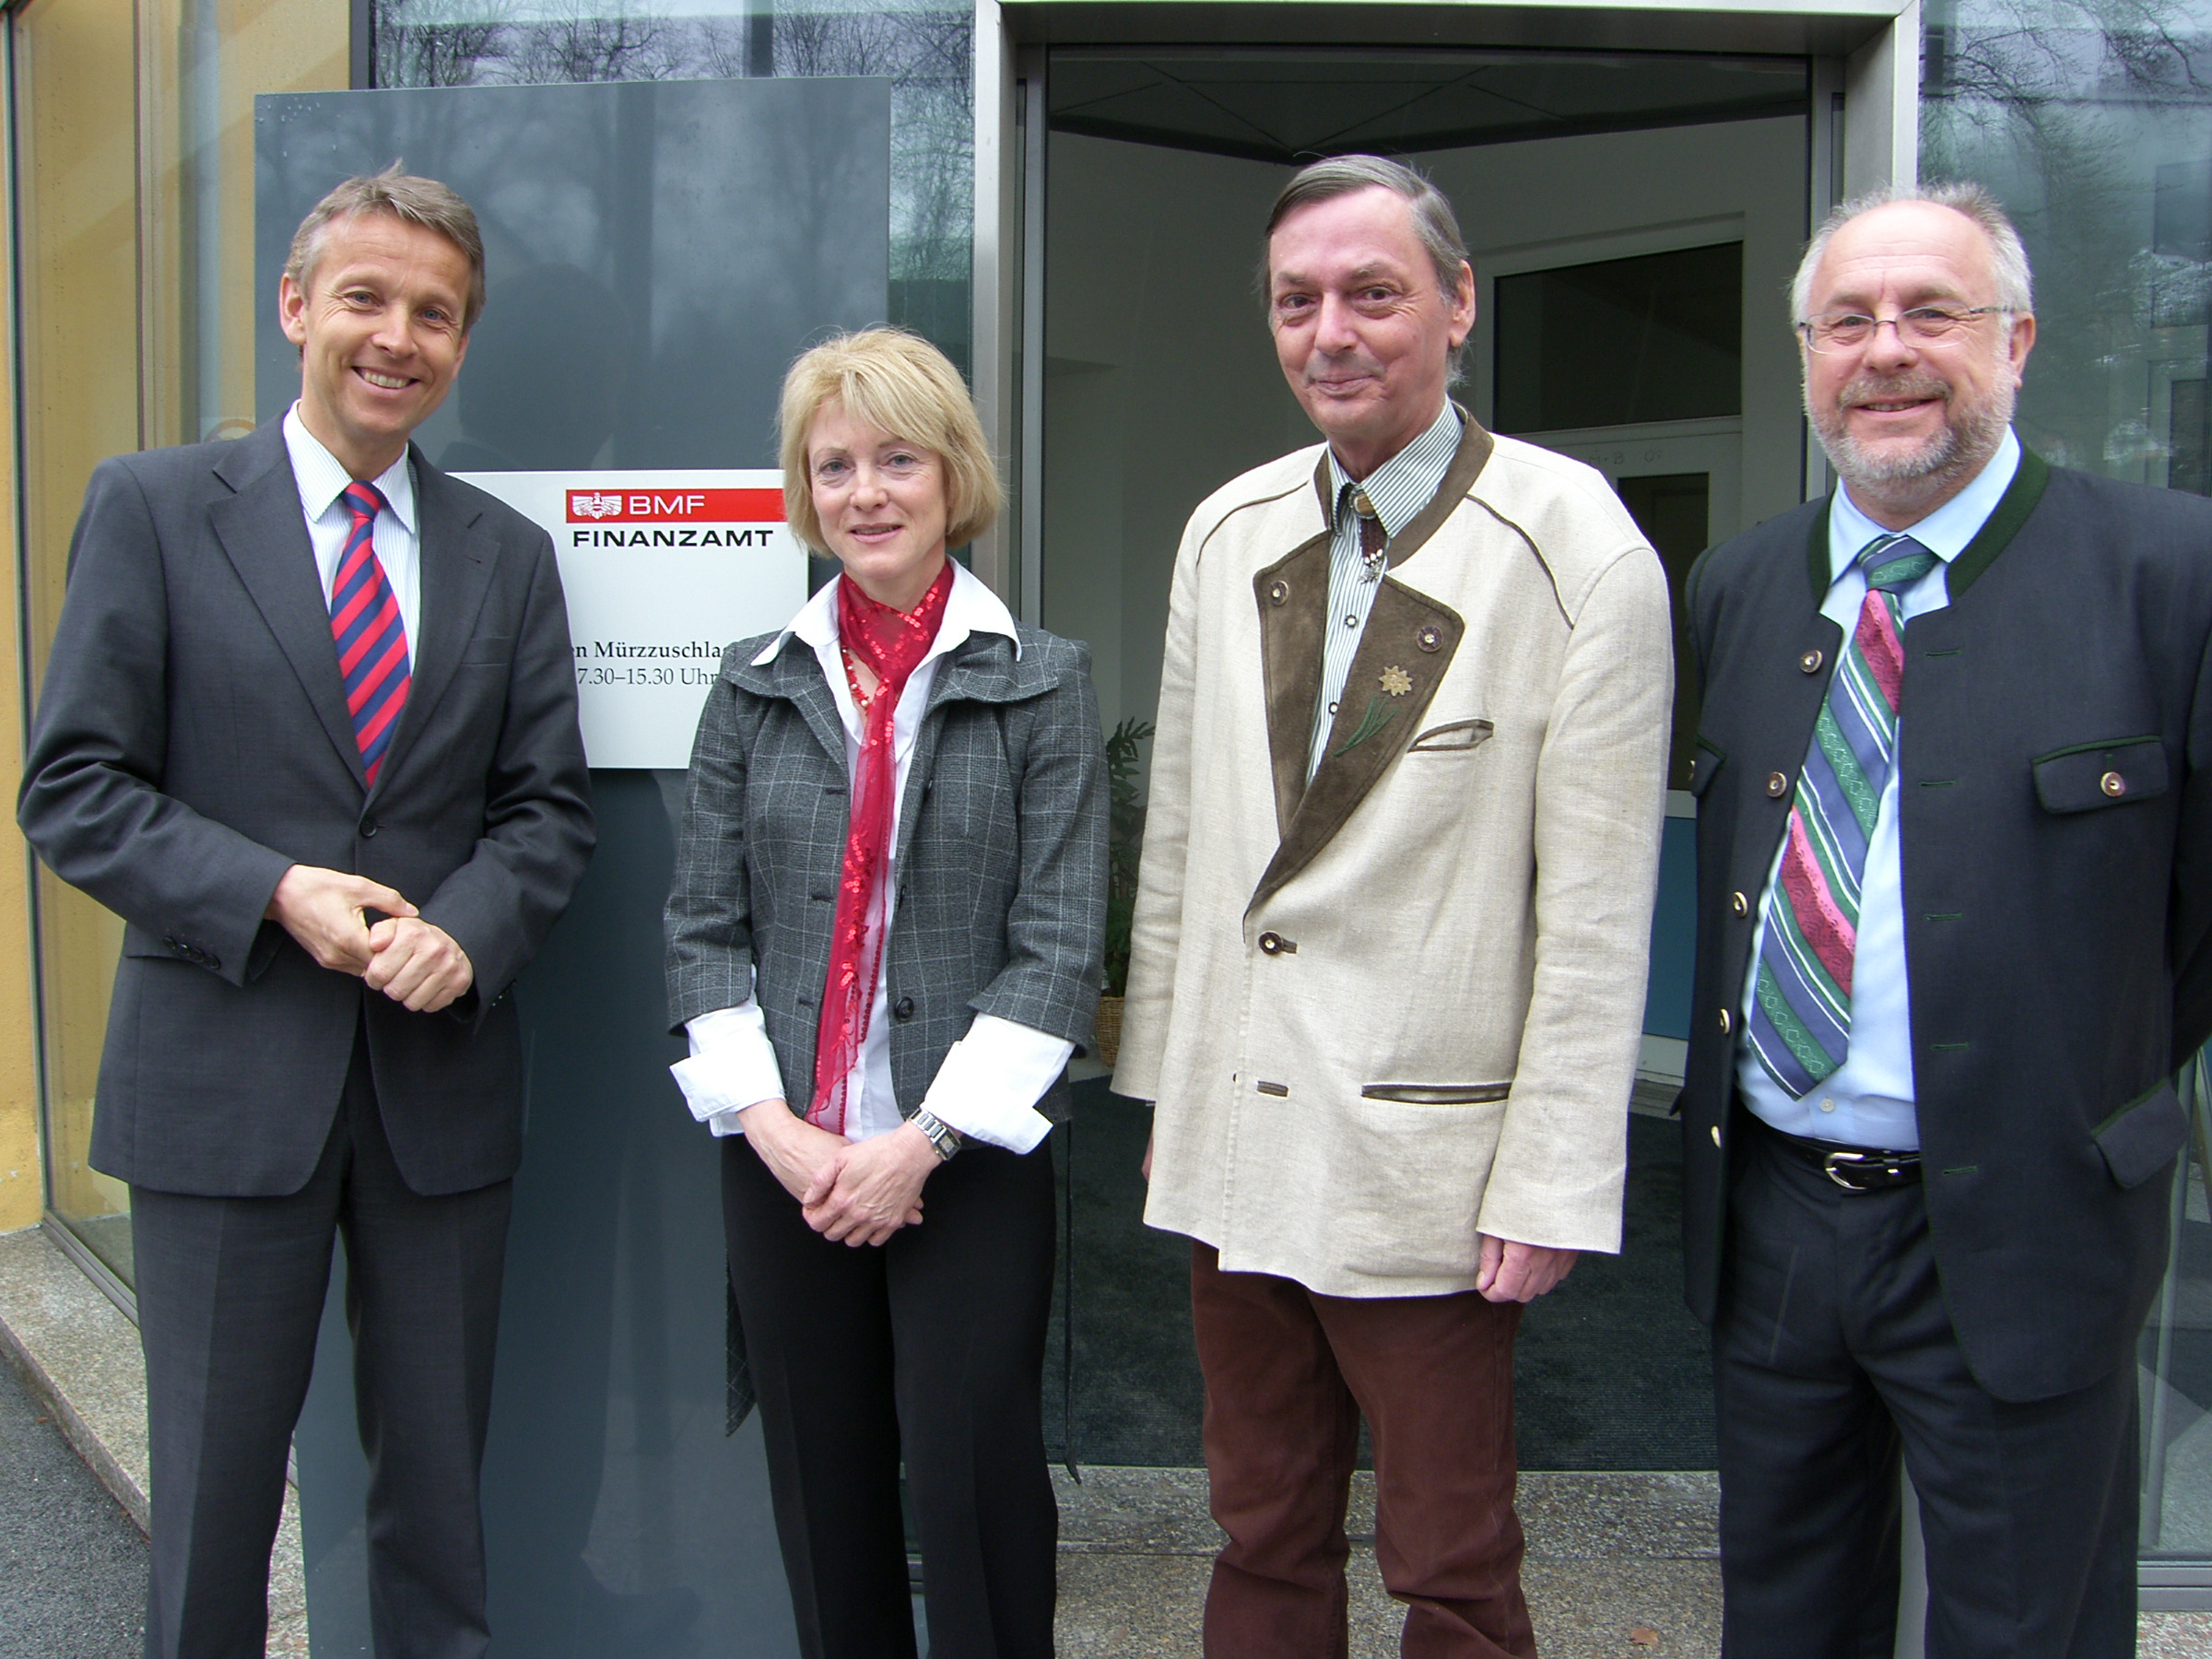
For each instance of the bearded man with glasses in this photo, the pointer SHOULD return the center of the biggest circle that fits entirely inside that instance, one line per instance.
(1954, 780)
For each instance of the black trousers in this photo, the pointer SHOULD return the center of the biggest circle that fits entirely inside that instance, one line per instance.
(930, 1347)
(1833, 1356)
(231, 1294)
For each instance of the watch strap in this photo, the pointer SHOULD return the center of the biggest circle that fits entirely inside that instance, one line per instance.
(942, 1135)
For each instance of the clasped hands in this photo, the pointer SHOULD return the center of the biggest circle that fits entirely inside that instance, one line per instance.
(415, 963)
(855, 1193)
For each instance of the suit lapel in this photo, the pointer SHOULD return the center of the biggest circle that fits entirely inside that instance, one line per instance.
(982, 668)
(455, 561)
(1293, 595)
(794, 673)
(1408, 644)
(264, 534)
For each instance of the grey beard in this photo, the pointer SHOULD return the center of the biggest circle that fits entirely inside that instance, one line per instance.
(1969, 437)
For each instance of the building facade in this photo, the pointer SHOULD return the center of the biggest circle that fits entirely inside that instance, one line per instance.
(1076, 187)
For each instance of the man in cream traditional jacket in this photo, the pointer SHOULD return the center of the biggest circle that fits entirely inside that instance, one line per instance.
(1388, 966)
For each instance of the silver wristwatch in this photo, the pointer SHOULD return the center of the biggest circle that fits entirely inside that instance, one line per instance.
(942, 1135)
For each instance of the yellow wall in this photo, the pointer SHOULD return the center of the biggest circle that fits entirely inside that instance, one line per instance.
(76, 262)
(20, 1188)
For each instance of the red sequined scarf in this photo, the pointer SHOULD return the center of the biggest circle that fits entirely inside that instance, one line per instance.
(892, 643)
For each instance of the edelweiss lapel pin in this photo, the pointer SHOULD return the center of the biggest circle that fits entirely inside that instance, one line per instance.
(1395, 683)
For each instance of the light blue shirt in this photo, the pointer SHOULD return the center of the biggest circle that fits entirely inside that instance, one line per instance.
(1398, 490)
(1869, 1100)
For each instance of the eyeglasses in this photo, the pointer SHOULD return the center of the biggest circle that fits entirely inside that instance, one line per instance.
(1923, 326)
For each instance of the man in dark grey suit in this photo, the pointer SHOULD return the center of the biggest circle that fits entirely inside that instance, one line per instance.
(1954, 780)
(310, 728)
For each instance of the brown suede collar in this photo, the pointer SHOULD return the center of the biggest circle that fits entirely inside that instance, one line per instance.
(1407, 645)
(1467, 462)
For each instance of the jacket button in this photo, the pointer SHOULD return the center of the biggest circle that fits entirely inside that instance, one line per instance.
(1739, 904)
(2114, 784)
(369, 827)
(1778, 784)
(1727, 1022)
(1279, 592)
(1810, 662)
(903, 1008)
(1716, 1134)
(1271, 943)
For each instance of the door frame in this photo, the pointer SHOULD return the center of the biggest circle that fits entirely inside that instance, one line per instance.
(1864, 135)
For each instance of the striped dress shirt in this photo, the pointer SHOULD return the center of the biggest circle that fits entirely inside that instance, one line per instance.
(1398, 489)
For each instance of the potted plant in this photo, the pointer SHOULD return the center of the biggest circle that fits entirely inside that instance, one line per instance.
(1124, 836)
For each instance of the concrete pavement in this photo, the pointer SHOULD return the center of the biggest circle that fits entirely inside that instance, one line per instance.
(72, 1560)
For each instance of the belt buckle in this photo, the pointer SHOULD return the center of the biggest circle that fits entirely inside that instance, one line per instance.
(1834, 1163)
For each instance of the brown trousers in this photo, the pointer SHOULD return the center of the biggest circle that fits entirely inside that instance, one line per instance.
(1288, 1375)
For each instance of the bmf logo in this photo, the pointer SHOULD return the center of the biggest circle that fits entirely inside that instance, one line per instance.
(675, 506)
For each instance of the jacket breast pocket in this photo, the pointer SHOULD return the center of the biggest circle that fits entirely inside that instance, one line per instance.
(2088, 776)
(488, 650)
(1454, 737)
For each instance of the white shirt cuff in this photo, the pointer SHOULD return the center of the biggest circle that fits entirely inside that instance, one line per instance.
(732, 1065)
(993, 1079)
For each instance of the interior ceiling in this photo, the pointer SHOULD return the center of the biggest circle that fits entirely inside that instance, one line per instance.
(1291, 105)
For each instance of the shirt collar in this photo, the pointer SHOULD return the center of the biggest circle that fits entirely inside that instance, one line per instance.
(1945, 531)
(322, 478)
(970, 609)
(1406, 483)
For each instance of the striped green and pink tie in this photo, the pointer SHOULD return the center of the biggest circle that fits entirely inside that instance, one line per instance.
(1800, 1005)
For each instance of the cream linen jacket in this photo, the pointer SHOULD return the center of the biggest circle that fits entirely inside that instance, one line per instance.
(1397, 1008)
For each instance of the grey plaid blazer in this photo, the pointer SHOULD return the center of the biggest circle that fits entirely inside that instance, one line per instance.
(1001, 861)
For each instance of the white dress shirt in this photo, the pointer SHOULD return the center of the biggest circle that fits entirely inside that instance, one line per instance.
(1868, 1100)
(322, 480)
(991, 1080)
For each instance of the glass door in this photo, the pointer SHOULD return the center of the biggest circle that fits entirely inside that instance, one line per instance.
(1160, 168)
(2175, 1357)
(137, 302)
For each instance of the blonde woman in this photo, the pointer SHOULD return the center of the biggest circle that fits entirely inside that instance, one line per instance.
(884, 939)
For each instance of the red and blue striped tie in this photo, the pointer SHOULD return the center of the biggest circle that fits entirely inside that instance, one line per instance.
(372, 640)
(1801, 1004)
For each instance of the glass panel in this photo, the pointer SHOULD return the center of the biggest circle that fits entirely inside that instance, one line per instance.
(1672, 509)
(76, 130)
(926, 49)
(2175, 1355)
(1622, 341)
(203, 299)
(2092, 128)
(134, 269)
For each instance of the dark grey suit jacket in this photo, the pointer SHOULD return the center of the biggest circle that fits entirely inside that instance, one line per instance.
(192, 742)
(1001, 853)
(2058, 928)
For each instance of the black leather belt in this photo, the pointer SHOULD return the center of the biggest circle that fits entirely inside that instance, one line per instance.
(1854, 1169)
